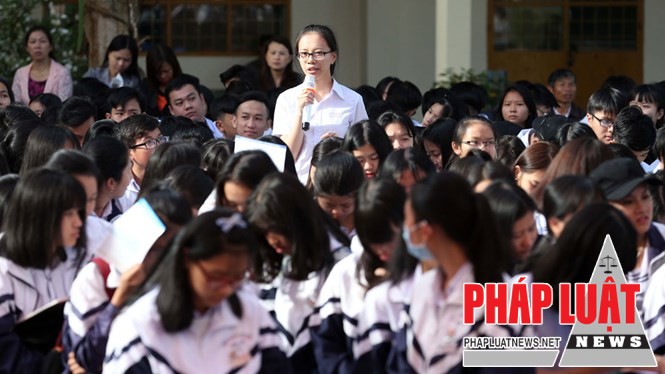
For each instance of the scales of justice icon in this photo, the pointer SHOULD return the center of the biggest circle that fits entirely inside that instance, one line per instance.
(608, 262)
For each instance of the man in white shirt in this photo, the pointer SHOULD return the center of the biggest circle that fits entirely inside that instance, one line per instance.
(185, 99)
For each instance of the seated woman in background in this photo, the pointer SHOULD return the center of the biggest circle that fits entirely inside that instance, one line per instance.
(120, 67)
(161, 67)
(276, 74)
(43, 74)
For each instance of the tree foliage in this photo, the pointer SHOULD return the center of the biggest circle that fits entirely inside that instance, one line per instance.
(17, 16)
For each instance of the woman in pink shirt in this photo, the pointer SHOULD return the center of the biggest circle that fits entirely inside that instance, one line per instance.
(43, 74)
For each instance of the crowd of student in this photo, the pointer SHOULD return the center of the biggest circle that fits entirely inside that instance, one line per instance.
(350, 260)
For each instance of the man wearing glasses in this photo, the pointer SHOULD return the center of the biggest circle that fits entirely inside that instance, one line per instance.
(141, 136)
(602, 110)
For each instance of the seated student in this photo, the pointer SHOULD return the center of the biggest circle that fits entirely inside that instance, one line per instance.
(185, 98)
(323, 148)
(222, 111)
(45, 216)
(77, 114)
(251, 118)
(602, 109)
(304, 244)
(440, 103)
(369, 144)
(651, 99)
(167, 157)
(379, 215)
(141, 135)
(435, 141)
(44, 101)
(517, 106)
(406, 167)
(473, 95)
(43, 142)
(574, 257)
(399, 128)
(192, 183)
(112, 158)
(123, 102)
(465, 243)
(184, 129)
(100, 291)
(197, 319)
(474, 133)
(515, 215)
(215, 154)
(240, 176)
(406, 97)
(562, 83)
(337, 179)
(625, 187)
(659, 150)
(635, 130)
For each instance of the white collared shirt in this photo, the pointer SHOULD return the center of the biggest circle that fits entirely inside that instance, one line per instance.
(340, 109)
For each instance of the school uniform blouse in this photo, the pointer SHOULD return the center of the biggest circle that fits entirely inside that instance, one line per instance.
(292, 304)
(378, 322)
(88, 317)
(650, 301)
(216, 341)
(59, 82)
(430, 340)
(102, 75)
(333, 327)
(340, 109)
(23, 290)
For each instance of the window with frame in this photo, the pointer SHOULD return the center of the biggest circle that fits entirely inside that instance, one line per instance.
(212, 27)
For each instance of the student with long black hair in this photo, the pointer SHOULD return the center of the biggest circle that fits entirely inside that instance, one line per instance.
(336, 181)
(369, 144)
(197, 320)
(100, 291)
(40, 253)
(305, 244)
(379, 217)
(443, 216)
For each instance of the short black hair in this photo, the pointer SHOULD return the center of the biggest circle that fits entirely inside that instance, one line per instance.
(559, 74)
(225, 104)
(634, 129)
(76, 110)
(119, 97)
(254, 96)
(134, 127)
(607, 100)
(180, 82)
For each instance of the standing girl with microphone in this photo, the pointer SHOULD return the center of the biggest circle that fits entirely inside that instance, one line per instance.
(320, 107)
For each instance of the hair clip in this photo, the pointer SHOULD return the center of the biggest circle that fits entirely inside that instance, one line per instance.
(226, 224)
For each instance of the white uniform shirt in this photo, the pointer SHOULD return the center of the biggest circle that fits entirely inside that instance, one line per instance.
(336, 113)
(216, 341)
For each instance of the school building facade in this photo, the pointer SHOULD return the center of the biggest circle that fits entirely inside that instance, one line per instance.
(418, 39)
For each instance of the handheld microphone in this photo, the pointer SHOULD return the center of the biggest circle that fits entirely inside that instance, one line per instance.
(307, 110)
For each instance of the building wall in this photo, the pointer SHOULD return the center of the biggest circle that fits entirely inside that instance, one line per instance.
(413, 40)
(401, 41)
(654, 31)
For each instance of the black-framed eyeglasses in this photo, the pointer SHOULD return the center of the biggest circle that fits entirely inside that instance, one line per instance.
(220, 279)
(478, 143)
(151, 143)
(318, 55)
(605, 122)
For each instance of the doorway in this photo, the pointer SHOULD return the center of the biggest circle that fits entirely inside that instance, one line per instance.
(594, 38)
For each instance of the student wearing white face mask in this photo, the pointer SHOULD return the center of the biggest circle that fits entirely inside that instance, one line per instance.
(444, 217)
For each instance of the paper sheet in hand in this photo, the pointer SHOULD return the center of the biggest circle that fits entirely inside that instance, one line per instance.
(133, 235)
(276, 152)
